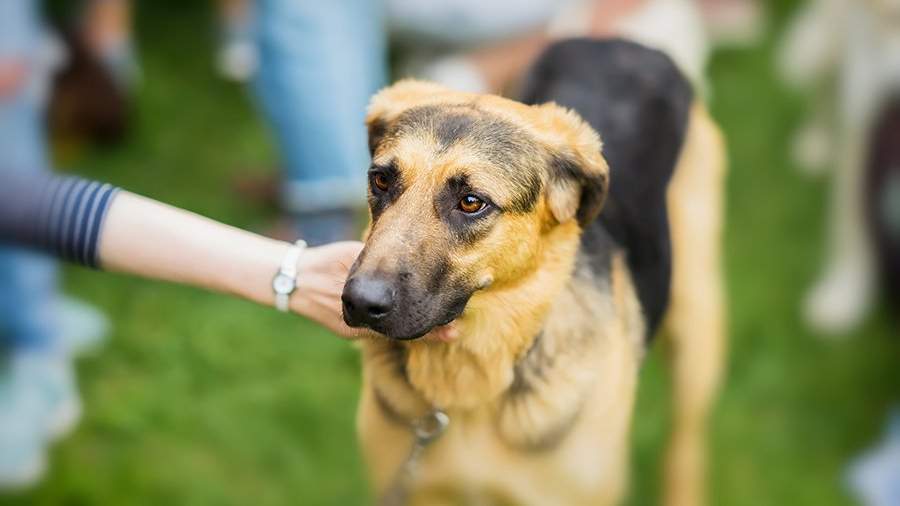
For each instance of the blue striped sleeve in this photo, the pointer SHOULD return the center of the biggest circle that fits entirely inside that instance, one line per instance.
(59, 215)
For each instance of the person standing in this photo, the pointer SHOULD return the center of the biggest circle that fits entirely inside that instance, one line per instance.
(39, 329)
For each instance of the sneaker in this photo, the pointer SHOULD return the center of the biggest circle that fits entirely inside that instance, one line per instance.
(22, 437)
(237, 60)
(47, 378)
(875, 477)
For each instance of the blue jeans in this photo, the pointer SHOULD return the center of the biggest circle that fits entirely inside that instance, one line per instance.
(319, 63)
(28, 284)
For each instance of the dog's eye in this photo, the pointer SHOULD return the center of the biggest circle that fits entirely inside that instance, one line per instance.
(470, 204)
(381, 181)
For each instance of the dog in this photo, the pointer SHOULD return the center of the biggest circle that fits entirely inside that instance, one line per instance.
(849, 52)
(484, 212)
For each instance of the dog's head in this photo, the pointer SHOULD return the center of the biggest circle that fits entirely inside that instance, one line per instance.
(463, 188)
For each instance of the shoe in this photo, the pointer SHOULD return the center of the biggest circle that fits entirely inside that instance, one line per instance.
(22, 437)
(47, 377)
(875, 477)
(237, 60)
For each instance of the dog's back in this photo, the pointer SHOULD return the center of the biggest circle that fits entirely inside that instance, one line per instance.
(639, 103)
(664, 210)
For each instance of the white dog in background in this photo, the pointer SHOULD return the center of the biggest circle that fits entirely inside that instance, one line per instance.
(850, 49)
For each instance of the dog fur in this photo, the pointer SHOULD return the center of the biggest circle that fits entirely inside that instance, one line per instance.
(554, 307)
(849, 52)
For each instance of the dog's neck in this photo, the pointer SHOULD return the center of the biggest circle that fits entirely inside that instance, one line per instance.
(496, 330)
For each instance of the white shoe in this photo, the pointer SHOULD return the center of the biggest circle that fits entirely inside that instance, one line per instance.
(238, 60)
(48, 378)
(875, 477)
(22, 436)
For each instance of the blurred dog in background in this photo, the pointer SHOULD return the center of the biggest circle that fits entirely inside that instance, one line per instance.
(848, 52)
(483, 213)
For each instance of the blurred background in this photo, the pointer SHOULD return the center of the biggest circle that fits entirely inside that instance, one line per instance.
(196, 398)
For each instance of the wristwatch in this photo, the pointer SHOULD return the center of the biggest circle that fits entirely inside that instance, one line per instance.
(285, 281)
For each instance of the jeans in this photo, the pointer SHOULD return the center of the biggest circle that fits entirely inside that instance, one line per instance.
(319, 63)
(28, 284)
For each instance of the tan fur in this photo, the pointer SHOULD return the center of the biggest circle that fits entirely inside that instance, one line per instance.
(696, 316)
(564, 439)
(549, 123)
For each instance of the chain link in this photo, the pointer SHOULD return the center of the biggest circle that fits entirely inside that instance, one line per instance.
(426, 430)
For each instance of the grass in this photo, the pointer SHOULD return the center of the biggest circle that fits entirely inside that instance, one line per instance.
(200, 399)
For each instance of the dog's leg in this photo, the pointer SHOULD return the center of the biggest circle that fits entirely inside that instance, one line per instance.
(695, 322)
(808, 51)
(845, 291)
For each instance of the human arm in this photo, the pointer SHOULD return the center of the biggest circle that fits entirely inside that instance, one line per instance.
(100, 226)
(158, 241)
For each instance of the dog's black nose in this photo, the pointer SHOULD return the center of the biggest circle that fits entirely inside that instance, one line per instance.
(367, 299)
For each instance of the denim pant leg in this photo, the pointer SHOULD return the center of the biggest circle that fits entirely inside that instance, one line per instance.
(28, 285)
(320, 62)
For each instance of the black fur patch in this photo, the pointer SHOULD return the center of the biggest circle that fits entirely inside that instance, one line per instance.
(379, 200)
(882, 187)
(535, 367)
(640, 104)
(499, 141)
(377, 130)
(593, 188)
(452, 128)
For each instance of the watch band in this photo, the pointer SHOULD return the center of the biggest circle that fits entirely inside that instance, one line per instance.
(288, 270)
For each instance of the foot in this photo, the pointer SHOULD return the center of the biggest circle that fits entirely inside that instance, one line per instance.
(237, 59)
(875, 477)
(48, 378)
(22, 438)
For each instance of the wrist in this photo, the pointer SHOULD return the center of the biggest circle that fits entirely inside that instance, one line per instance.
(253, 268)
(284, 283)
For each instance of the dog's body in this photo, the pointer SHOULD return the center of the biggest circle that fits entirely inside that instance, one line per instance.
(850, 49)
(554, 308)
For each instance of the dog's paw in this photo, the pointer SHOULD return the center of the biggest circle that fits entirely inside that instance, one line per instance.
(839, 302)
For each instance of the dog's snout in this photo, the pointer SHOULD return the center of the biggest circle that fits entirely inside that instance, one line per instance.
(367, 299)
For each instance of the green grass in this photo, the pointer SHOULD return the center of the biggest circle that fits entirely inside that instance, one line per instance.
(201, 399)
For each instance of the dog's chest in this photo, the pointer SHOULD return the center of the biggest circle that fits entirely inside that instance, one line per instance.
(583, 465)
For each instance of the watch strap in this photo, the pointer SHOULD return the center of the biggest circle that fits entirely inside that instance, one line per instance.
(289, 269)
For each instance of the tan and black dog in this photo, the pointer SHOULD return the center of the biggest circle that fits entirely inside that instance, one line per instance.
(484, 211)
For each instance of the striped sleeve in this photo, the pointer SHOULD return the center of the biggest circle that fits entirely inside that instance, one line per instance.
(60, 215)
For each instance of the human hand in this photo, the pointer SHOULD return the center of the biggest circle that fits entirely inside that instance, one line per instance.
(322, 272)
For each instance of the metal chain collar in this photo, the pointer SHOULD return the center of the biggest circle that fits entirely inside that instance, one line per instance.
(426, 430)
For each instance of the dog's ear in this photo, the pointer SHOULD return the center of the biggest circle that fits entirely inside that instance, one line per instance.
(577, 174)
(392, 101)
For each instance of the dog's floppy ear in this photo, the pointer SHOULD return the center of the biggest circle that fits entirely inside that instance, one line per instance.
(392, 101)
(577, 174)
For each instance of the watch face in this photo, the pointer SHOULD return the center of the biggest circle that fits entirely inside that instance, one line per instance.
(283, 284)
